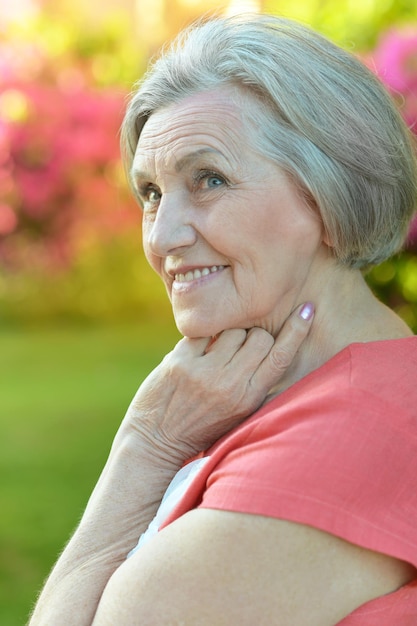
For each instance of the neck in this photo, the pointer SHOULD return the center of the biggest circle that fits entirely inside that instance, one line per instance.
(346, 312)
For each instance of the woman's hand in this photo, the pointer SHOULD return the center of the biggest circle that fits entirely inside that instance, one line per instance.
(203, 388)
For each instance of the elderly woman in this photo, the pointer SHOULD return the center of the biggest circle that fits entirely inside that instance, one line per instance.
(271, 167)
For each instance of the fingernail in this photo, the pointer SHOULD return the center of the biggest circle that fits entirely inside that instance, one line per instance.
(307, 311)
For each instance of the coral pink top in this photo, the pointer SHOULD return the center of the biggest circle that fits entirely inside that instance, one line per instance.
(337, 451)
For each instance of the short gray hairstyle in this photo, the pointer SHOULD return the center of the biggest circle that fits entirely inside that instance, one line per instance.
(323, 117)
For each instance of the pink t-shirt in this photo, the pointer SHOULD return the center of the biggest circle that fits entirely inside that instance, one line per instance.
(337, 451)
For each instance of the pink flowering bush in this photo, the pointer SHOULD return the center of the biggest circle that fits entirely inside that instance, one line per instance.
(60, 174)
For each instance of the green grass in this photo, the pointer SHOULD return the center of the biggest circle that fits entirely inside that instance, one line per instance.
(63, 392)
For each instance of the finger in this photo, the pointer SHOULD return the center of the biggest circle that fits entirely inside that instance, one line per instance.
(222, 347)
(190, 347)
(252, 352)
(285, 347)
(226, 344)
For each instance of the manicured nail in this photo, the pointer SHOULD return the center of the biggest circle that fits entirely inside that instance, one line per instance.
(307, 311)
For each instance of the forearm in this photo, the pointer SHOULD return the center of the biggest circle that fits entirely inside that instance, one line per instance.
(121, 506)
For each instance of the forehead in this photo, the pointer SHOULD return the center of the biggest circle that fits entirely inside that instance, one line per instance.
(207, 123)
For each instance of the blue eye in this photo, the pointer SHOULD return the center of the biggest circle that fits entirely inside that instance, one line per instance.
(214, 181)
(209, 179)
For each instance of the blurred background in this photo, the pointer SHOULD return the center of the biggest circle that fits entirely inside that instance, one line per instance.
(82, 318)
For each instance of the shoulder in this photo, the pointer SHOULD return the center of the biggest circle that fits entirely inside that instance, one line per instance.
(387, 369)
(365, 379)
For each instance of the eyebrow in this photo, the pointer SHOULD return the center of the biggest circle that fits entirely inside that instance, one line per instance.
(183, 162)
(180, 164)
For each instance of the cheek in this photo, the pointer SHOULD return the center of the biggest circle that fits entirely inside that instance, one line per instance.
(301, 233)
(153, 260)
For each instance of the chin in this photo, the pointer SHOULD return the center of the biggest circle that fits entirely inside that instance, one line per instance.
(196, 329)
(195, 333)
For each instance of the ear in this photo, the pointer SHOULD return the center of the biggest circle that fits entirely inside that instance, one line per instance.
(313, 206)
(327, 240)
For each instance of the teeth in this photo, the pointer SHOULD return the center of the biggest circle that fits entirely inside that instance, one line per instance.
(195, 274)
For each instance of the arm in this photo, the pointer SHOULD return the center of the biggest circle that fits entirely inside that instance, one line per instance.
(172, 417)
(221, 568)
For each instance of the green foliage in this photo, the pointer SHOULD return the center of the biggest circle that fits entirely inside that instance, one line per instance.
(105, 54)
(351, 23)
(109, 282)
(395, 283)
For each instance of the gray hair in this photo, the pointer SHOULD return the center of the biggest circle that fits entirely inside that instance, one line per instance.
(322, 116)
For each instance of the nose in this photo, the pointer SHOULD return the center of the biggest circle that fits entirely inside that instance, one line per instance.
(170, 231)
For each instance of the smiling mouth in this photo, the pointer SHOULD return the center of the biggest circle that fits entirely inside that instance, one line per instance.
(197, 273)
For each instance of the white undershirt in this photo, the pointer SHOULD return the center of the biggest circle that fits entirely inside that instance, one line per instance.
(175, 491)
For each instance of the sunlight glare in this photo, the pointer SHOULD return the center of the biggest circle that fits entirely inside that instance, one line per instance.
(151, 21)
(17, 11)
(236, 7)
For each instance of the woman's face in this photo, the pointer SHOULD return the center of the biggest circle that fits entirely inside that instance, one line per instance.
(231, 237)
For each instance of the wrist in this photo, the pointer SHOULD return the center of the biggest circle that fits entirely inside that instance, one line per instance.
(147, 442)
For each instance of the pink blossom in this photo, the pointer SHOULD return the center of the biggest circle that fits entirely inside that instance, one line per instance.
(395, 59)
